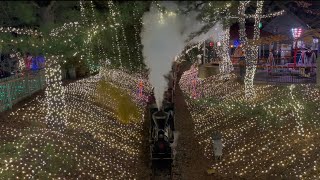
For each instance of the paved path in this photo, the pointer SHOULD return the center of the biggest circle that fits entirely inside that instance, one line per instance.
(190, 161)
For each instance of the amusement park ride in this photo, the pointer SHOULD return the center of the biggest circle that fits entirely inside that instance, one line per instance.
(294, 59)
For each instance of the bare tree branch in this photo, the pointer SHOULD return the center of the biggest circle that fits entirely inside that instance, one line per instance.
(35, 4)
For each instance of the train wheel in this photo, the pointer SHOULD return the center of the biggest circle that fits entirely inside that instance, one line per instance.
(153, 171)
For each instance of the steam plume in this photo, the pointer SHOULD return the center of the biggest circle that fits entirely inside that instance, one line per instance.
(164, 36)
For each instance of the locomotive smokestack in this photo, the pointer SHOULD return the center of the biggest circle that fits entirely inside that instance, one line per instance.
(161, 108)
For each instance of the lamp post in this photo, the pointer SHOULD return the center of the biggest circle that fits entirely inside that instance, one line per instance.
(317, 61)
(204, 52)
(296, 33)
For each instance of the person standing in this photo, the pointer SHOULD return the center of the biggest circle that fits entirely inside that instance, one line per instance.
(217, 145)
(199, 57)
(28, 61)
(242, 65)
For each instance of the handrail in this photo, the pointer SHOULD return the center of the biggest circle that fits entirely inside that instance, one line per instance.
(21, 75)
(15, 88)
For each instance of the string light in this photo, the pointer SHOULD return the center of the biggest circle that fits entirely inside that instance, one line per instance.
(56, 115)
(60, 31)
(138, 21)
(274, 135)
(251, 50)
(94, 145)
(124, 37)
(252, 55)
(21, 63)
(270, 15)
(225, 67)
(91, 33)
(20, 31)
(115, 25)
(242, 28)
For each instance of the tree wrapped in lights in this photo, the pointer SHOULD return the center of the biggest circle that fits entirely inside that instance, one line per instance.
(213, 12)
(223, 51)
(89, 21)
(251, 48)
(68, 40)
(52, 43)
(55, 100)
(120, 44)
(115, 28)
(137, 26)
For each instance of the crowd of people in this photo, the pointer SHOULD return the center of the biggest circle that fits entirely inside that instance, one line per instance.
(31, 63)
(34, 63)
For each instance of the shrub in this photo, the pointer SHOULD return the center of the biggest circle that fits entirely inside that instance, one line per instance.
(119, 100)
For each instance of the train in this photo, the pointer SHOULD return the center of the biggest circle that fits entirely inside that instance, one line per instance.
(162, 127)
(161, 131)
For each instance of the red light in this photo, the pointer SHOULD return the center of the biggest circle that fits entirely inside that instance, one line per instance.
(211, 44)
(161, 146)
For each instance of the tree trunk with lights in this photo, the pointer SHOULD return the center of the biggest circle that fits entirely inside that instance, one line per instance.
(242, 30)
(242, 25)
(252, 54)
(226, 65)
(54, 93)
(251, 51)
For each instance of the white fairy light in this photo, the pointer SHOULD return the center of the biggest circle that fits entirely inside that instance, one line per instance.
(124, 36)
(112, 12)
(56, 111)
(20, 31)
(94, 146)
(137, 34)
(251, 51)
(225, 66)
(252, 55)
(281, 140)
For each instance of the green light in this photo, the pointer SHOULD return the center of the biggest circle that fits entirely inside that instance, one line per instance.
(260, 25)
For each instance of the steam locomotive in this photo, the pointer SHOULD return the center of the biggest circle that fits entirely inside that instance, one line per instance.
(162, 126)
(161, 132)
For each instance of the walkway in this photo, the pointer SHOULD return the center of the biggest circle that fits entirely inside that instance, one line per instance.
(190, 161)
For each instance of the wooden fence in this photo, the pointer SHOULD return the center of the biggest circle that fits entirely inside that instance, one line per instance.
(15, 88)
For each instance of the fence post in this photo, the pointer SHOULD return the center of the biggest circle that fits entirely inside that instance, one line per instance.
(43, 79)
(39, 80)
(27, 83)
(318, 70)
(9, 95)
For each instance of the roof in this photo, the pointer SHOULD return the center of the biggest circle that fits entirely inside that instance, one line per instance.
(283, 24)
(234, 32)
